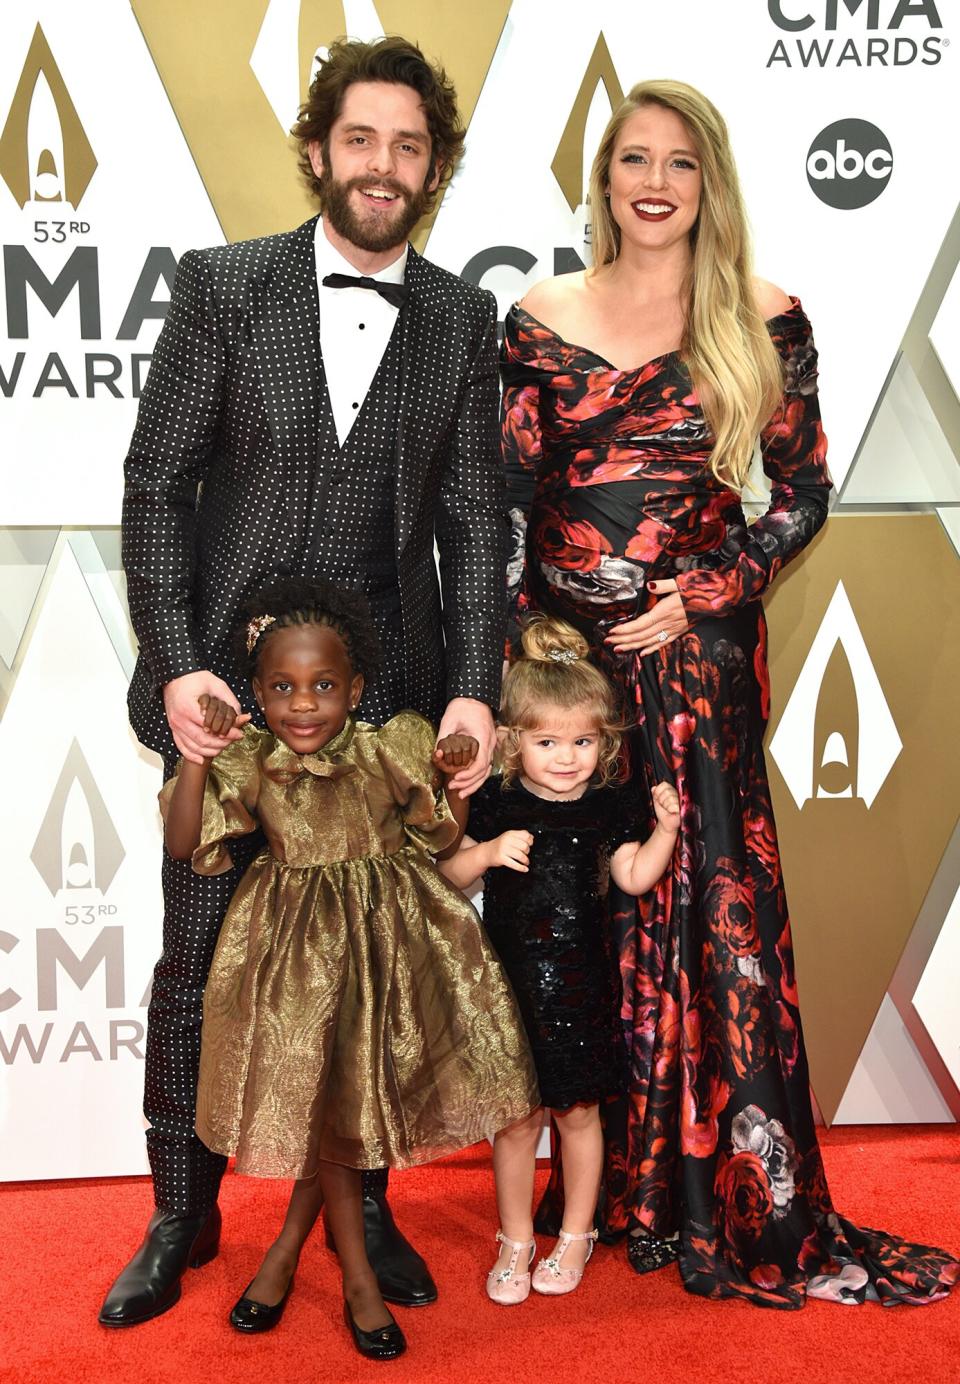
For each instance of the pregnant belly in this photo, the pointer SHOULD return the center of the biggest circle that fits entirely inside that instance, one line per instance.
(597, 546)
(573, 572)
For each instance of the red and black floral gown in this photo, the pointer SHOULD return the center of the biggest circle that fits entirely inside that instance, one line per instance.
(610, 486)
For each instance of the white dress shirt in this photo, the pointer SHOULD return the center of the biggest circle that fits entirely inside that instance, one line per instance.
(355, 327)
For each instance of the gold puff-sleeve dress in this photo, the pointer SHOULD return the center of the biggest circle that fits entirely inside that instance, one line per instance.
(354, 1011)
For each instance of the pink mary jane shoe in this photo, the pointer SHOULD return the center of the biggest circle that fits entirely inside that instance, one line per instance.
(551, 1277)
(506, 1286)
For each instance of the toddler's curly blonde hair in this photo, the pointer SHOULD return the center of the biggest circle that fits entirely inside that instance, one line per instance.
(554, 672)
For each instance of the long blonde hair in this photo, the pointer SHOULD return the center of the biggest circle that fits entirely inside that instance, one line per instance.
(554, 672)
(726, 346)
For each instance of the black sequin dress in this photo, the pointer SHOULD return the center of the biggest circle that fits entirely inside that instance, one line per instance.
(549, 928)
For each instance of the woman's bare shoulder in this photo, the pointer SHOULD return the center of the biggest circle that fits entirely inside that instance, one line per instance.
(771, 301)
(553, 297)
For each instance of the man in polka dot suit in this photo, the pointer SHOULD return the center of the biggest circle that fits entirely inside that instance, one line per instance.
(319, 402)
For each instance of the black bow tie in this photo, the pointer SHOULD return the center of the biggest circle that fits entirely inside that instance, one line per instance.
(395, 294)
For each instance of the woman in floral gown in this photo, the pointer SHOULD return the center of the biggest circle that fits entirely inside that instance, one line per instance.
(633, 395)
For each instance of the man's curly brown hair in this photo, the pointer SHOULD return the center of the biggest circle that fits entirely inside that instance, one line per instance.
(389, 59)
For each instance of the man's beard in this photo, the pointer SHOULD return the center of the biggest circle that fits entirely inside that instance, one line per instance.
(373, 235)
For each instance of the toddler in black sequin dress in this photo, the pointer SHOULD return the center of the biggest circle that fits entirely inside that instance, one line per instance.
(544, 835)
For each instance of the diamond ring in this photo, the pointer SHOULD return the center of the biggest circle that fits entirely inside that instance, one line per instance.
(662, 636)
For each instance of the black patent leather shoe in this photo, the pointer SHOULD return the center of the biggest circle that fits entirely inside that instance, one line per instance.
(385, 1343)
(150, 1284)
(402, 1276)
(251, 1316)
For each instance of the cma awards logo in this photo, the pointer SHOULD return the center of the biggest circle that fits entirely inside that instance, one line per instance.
(77, 854)
(836, 738)
(599, 94)
(45, 155)
(849, 164)
(47, 163)
(77, 846)
(856, 33)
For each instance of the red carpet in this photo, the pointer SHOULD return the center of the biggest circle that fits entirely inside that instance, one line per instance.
(63, 1242)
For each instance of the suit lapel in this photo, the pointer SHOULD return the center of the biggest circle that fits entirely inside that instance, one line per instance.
(285, 330)
(414, 446)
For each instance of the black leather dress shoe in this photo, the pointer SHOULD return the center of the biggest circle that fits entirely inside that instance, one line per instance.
(385, 1343)
(251, 1316)
(403, 1277)
(150, 1284)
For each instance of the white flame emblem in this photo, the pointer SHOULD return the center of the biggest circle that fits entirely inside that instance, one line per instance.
(878, 744)
(275, 61)
(45, 145)
(77, 841)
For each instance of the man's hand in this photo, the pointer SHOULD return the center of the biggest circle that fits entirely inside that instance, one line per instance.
(466, 716)
(186, 716)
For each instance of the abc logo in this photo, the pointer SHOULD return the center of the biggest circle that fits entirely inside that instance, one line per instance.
(849, 164)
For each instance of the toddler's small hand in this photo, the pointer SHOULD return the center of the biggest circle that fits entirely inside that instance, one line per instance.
(455, 752)
(512, 849)
(219, 718)
(666, 804)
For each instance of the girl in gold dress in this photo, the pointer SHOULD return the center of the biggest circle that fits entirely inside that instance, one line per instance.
(355, 1016)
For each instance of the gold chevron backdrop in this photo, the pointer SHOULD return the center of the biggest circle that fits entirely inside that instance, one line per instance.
(165, 125)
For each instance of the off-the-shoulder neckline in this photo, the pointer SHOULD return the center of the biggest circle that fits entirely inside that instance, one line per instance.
(795, 305)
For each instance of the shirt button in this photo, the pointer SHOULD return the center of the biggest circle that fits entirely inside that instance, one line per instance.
(362, 325)
(355, 405)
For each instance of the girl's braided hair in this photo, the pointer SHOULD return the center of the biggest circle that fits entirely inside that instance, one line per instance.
(293, 601)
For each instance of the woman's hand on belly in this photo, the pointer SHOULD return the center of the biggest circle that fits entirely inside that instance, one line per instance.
(657, 627)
